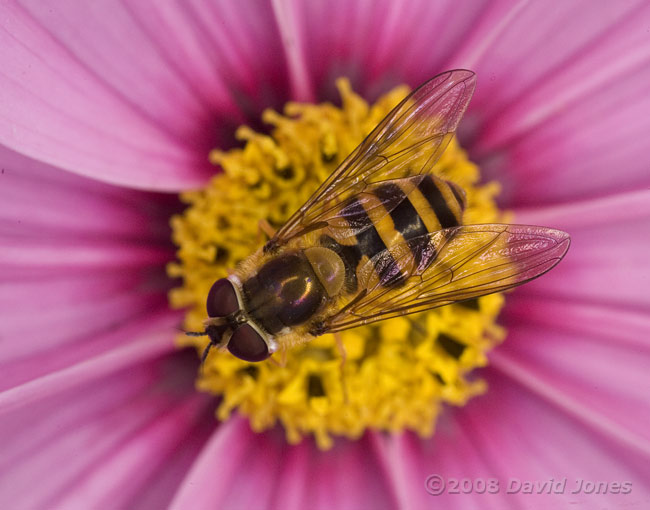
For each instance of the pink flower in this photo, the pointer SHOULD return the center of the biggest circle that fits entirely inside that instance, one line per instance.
(97, 407)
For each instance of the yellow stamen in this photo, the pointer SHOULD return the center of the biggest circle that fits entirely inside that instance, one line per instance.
(398, 372)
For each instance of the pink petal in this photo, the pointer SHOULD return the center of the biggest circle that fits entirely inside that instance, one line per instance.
(563, 117)
(85, 385)
(37, 196)
(262, 471)
(102, 440)
(292, 487)
(551, 118)
(289, 28)
(511, 434)
(127, 475)
(629, 328)
(216, 467)
(143, 341)
(607, 260)
(588, 359)
(133, 95)
(72, 338)
(347, 477)
(61, 223)
(68, 254)
(79, 257)
(599, 381)
(376, 44)
(82, 261)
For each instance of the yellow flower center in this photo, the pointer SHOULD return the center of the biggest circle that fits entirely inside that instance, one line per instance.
(398, 372)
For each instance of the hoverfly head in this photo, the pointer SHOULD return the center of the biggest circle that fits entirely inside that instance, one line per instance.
(224, 316)
(229, 326)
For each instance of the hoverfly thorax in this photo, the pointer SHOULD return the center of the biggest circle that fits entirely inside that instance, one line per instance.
(292, 287)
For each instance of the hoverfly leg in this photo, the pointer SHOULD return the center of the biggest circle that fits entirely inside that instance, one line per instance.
(344, 356)
(264, 227)
(282, 362)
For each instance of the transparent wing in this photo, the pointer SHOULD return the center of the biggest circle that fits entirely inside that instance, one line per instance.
(462, 263)
(407, 142)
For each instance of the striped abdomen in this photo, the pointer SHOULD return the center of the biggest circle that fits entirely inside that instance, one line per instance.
(391, 215)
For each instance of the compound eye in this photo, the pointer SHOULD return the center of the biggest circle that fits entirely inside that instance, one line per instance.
(247, 344)
(222, 299)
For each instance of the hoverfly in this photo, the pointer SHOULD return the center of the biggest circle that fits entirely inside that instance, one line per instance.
(381, 237)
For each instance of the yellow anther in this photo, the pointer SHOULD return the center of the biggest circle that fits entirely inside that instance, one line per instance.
(398, 372)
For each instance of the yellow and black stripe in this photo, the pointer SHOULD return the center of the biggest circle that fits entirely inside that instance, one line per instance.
(395, 213)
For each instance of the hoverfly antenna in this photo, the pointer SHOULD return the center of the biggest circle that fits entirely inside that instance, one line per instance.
(196, 333)
(206, 351)
(219, 332)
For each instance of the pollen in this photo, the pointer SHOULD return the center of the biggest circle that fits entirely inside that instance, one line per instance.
(398, 374)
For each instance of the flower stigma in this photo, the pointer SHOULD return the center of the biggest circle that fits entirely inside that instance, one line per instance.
(398, 372)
